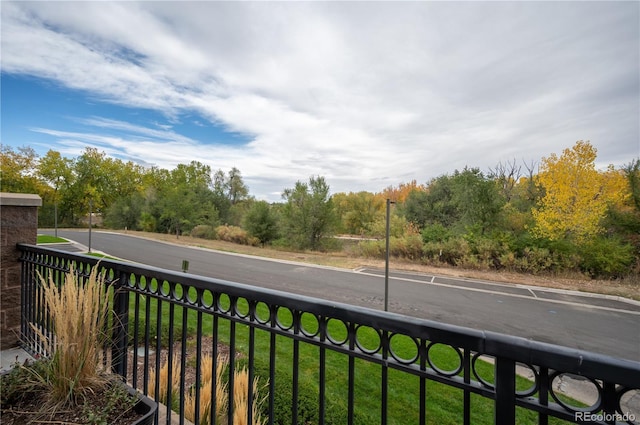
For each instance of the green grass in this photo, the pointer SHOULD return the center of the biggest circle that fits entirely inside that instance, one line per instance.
(444, 403)
(50, 239)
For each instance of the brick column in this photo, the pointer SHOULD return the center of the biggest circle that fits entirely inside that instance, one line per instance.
(18, 224)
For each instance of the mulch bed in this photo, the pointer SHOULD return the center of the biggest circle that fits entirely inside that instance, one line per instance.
(28, 411)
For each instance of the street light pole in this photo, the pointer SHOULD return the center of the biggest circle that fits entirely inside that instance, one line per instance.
(386, 259)
(90, 224)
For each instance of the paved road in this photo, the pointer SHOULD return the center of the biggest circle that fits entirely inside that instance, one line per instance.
(604, 325)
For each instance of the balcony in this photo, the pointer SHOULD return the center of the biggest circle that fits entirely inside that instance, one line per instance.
(322, 362)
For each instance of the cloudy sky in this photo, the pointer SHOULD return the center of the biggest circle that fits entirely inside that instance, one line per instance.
(366, 94)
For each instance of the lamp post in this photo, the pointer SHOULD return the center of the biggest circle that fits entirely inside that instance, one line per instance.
(386, 259)
(90, 224)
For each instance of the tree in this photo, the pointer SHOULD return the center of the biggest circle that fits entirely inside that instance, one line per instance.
(576, 196)
(18, 170)
(236, 188)
(308, 213)
(228, 190)
(56, 171)
(435, 205)
(477, 198)
(261, 223)
(358, 211)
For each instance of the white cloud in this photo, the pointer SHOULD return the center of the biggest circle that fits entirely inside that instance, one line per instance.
(367, 94)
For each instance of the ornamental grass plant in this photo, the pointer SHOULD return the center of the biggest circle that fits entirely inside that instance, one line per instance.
(71, 383)
(78, 311)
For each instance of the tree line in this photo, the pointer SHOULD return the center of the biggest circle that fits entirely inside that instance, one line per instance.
(561, 215)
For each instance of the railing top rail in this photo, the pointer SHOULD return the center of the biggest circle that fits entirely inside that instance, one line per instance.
(578, 362)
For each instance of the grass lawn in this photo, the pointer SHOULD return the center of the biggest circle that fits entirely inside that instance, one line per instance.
(50, 239)
(444, 403)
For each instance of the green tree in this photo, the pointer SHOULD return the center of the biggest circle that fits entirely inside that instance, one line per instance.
(57, 172)
(359, 211)
(308, 213)
(18, 170)
(260, 222)
(435, 205)
(477, 199)
(185, 198)
(228, 191)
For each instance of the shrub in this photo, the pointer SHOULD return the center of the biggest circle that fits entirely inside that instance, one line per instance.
(606, 257)
(451, 251)
(409, 247)
(372, 249)
(203, 231)
(236, 235)
(435, 233)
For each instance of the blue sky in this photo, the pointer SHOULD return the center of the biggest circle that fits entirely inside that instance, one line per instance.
(367, 94)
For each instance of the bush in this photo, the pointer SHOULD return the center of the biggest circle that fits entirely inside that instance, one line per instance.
(409, 247)
(435, 233)
(372, 249)
(203, 231)
(236, 235)
(451, 251)
(606, 258)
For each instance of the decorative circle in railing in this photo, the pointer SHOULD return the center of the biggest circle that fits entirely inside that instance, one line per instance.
(262, 313)
(337, 331)
(130, 281)
(153, 286)
(368, 339)
(192, 295)
(404, 349)
(206, 298)
(165, 288)
(441, 358)
(484, 370)
(177, 292)
(309, 324)
(575, 393)
(528, 386)
(242, 307)
(284, 318)
(629, 405)
(224, 303)
(140, 282)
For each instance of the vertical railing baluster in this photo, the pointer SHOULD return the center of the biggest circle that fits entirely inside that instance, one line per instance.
(159, 348)
(136, 337)
(214, 377)
(251, 367)
(505, 387)
(296, 368)
(232, 367)
(147, 338)
(543, 394)
(322, 332)
(466, 371)
(183, 361)
(384, 377)
(422, 355)
(198, 382)
(351, 383)
(273, 312)
(171, 329)
(120, 325)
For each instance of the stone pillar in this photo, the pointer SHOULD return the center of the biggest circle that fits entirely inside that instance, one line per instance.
(18, 224)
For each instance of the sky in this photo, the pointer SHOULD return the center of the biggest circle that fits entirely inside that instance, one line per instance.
(366, 94)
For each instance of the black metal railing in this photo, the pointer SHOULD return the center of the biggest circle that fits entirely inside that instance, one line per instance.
(315, 358)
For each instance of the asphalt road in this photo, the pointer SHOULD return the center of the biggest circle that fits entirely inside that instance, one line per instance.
(599, 324)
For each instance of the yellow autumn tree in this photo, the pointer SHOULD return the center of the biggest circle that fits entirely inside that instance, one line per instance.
(576, 196)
